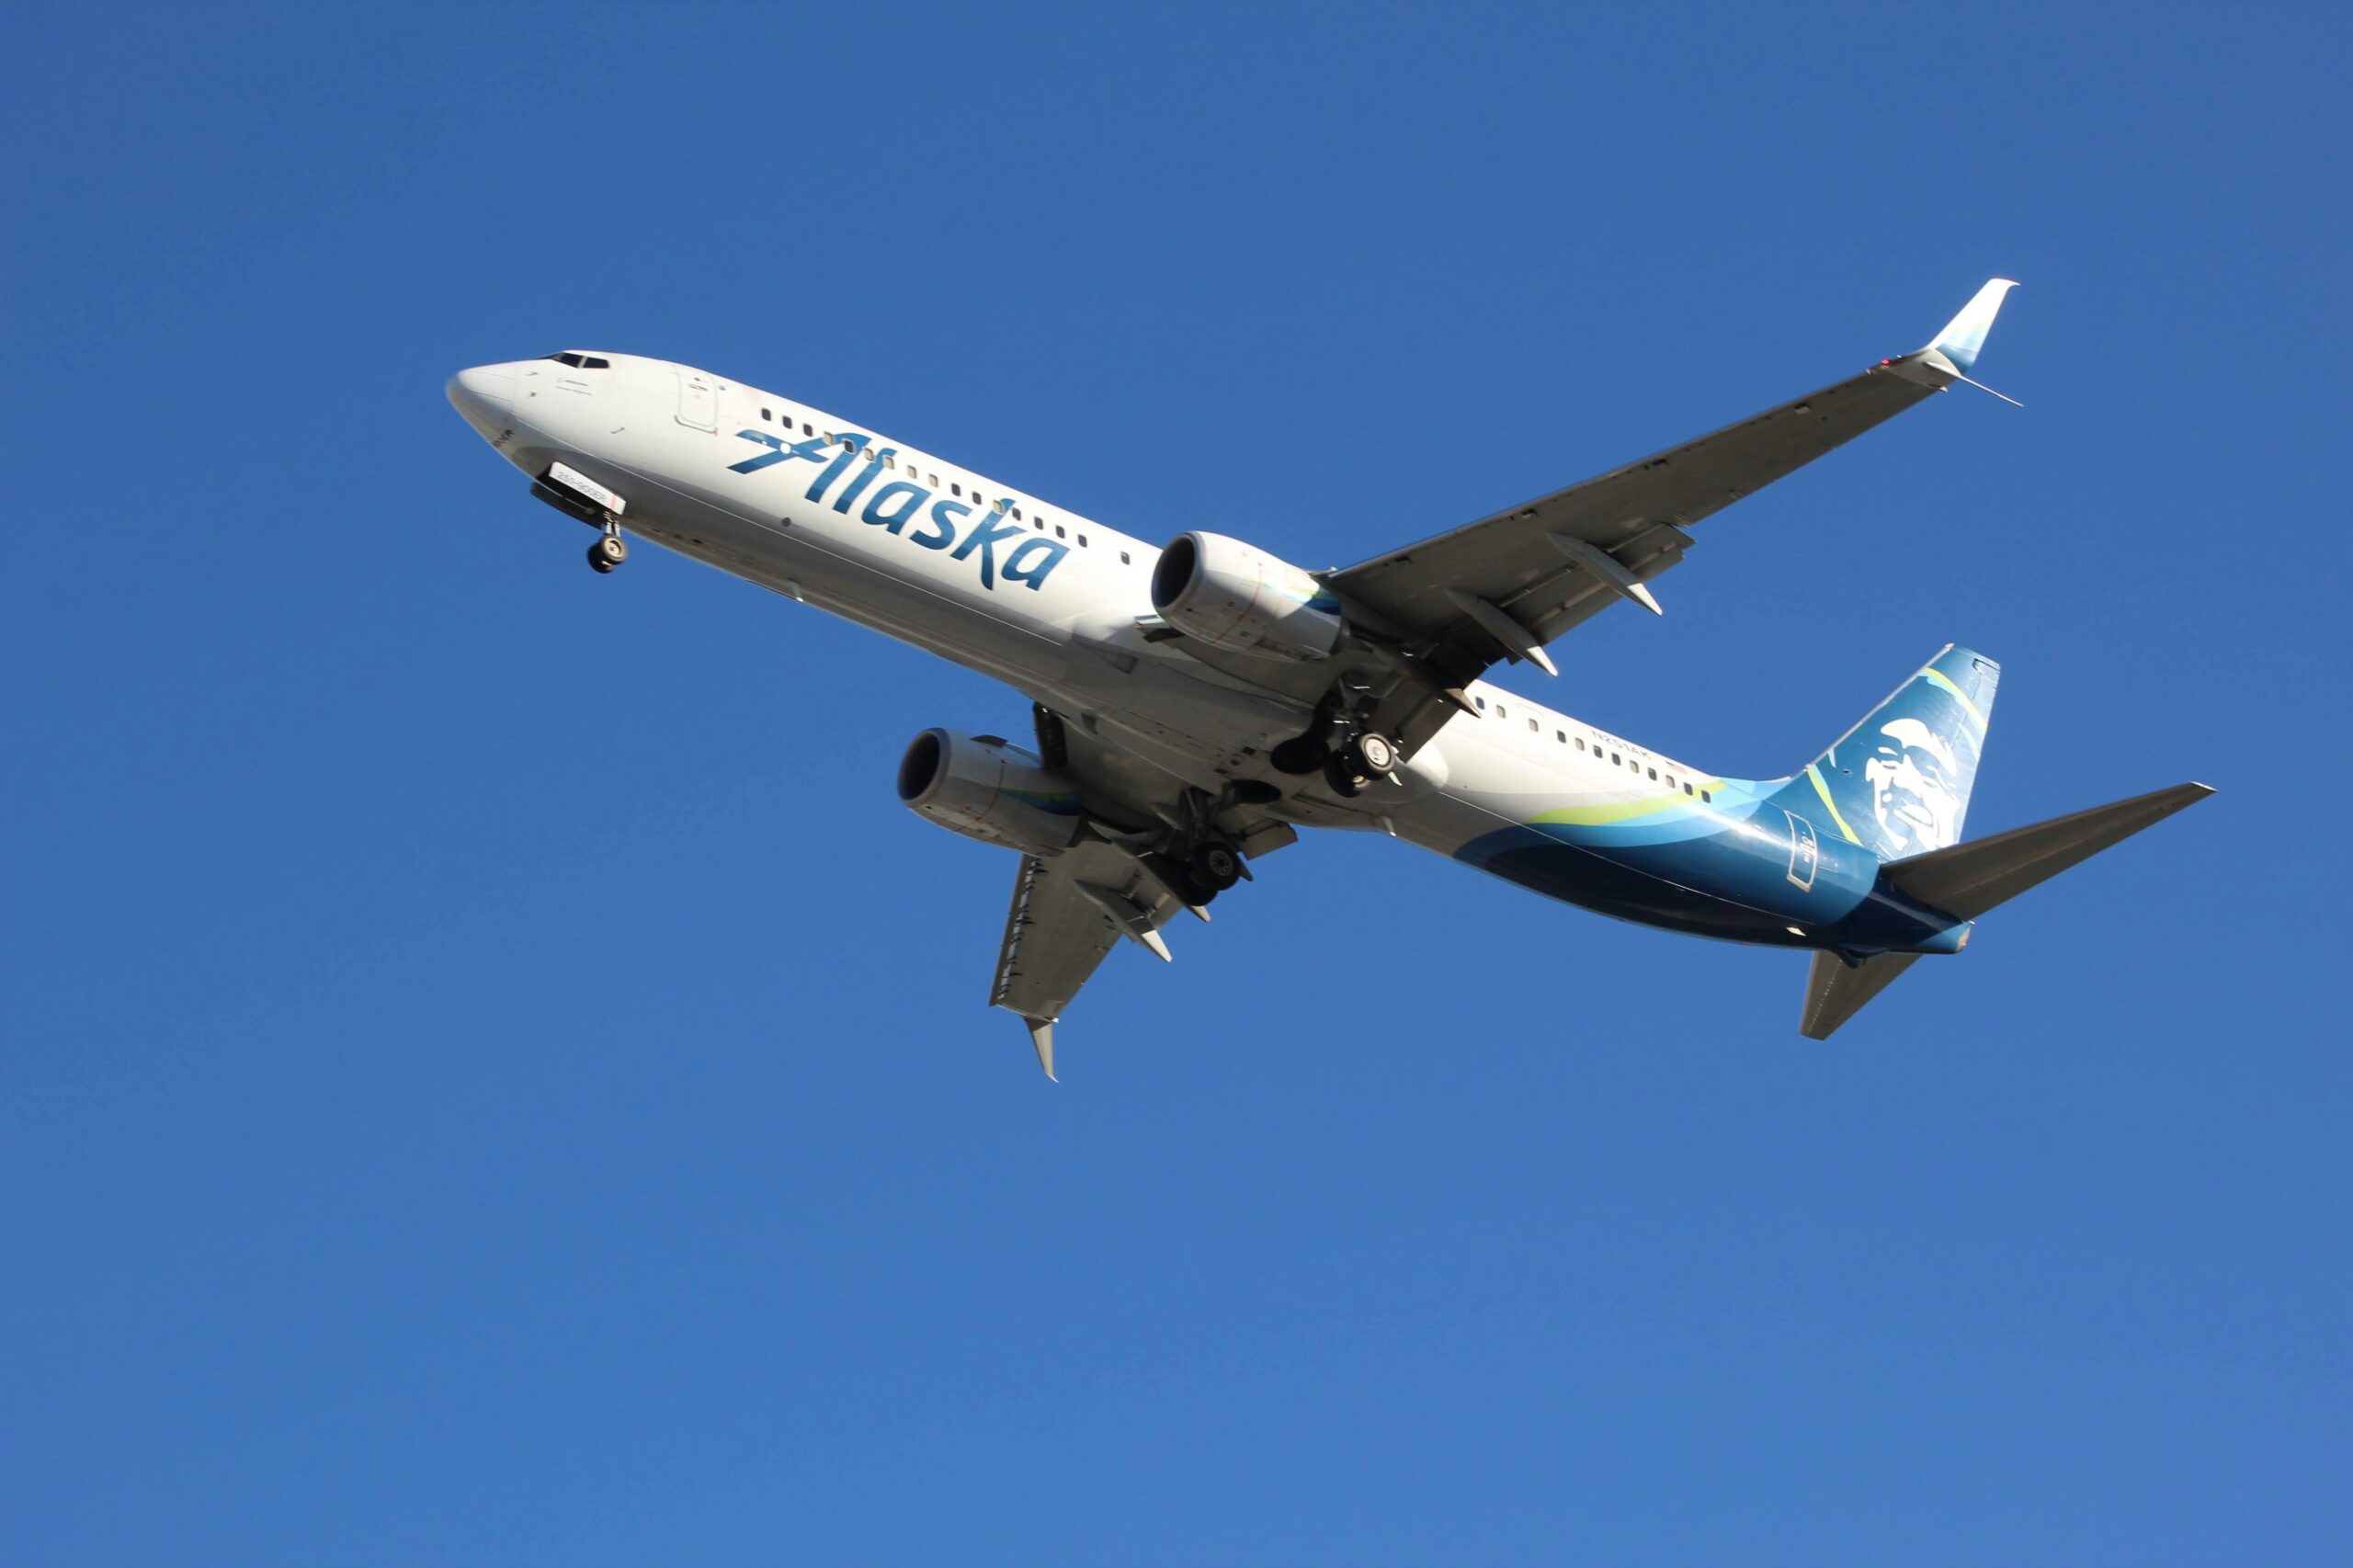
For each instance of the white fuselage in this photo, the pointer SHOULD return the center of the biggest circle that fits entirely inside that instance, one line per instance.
(1045, 600)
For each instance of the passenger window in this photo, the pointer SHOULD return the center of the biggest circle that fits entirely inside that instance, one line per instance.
(1616, 759)
(1501, 712)
(1482, 702)
(1670, 780)
(1058, 529)
(805, 429)
(1017, 514)
(1687, 787)
(765, 414)
(1562, 736)
(1707, 795)
(1123, 557)
(1654, 774)
(1534, 728)
(956, 490)
(1580, 742)
(1082, 541)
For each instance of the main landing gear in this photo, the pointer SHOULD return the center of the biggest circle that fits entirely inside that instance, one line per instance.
(1198, 861)
(1357, 760)
(610, 550)
(1199, 874)
(1215, 866)
(1349, 755)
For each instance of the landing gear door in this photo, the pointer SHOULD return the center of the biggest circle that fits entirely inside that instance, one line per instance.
(698, 401)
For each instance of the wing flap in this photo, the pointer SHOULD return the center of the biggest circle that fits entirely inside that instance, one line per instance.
(1067, 915)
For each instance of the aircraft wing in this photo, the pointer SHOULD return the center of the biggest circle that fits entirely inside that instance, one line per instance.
(1502, 587)
(1068, 912)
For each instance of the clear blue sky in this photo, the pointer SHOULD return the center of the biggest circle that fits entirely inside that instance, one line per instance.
(493, 1074)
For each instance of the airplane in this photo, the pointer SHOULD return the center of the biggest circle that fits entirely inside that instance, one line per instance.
(1194, 705)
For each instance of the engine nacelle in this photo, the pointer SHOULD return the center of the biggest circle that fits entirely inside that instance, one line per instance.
(984, 789)
(1235, 595)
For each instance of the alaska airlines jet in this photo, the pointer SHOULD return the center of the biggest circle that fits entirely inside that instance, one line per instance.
(1195, 704)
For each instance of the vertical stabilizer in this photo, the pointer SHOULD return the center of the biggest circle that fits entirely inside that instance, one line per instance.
(1898, 783)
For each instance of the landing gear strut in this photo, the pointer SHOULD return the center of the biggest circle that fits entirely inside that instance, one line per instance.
(1198, 861)
(609, 550)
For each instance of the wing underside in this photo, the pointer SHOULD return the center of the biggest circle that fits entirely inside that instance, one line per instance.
(1442, 612)
(1067, 914)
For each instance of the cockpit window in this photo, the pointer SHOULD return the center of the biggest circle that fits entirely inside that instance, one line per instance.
(582, 361)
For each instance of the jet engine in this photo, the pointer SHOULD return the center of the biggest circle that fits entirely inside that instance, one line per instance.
(984, 789)
(1234, 596)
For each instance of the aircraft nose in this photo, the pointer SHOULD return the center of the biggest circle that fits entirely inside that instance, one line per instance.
(484, 395)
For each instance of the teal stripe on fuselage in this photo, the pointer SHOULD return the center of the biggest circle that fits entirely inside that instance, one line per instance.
(1739, 869)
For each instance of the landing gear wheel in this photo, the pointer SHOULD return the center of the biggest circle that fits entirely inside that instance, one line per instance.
(1214, 866)
(1179, 879)
(609, 552)
(1373, 753)
(1342, 779)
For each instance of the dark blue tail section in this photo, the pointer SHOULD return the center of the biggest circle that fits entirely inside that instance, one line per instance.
(1898, 782)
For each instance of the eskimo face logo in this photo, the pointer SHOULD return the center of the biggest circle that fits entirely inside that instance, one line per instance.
(1913, 773)
(893, 505)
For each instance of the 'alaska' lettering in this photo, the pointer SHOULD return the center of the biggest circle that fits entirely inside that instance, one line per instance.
(901, 501)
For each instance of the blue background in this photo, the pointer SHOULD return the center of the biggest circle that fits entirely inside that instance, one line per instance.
(493, 1076)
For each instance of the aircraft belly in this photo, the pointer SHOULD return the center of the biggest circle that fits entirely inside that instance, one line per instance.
(1201, 731)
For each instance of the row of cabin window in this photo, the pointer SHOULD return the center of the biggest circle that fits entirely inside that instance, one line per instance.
(1616, 759)
(954, 488)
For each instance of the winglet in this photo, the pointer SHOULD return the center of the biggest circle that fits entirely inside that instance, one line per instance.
(1041, 1037)
(1964, 336)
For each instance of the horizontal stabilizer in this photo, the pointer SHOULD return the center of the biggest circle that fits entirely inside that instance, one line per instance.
(1970, 879)
(1835, 993)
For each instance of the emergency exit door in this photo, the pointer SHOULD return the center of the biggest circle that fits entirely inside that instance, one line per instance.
(698, 401)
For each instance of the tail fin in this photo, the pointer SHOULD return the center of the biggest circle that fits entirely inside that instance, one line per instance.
(1967, 879)
(1898, 782)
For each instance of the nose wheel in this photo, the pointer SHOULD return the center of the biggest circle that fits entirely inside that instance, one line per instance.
(609, 550)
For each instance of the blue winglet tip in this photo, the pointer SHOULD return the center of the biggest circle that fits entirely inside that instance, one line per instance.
(1964, 336)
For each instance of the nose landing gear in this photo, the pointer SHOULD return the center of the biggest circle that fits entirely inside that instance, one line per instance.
(609, 550)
